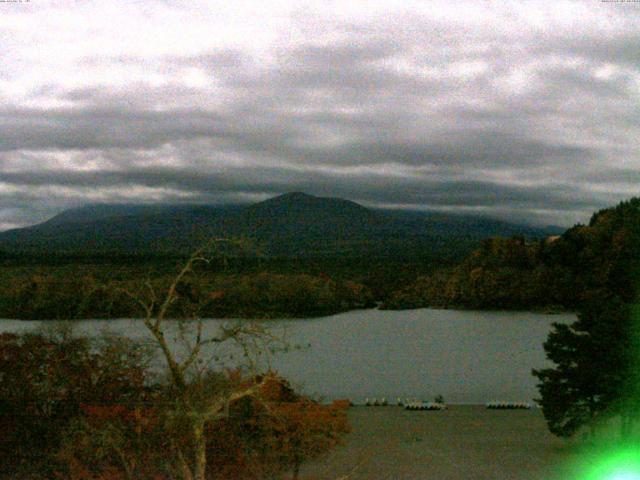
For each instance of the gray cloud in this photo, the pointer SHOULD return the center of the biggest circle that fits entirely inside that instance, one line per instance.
(418, 192)
(456, 107)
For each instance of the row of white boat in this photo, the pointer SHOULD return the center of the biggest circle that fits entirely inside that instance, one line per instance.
(425, 406)
(508, 405)
(408, 404)
(415, 404)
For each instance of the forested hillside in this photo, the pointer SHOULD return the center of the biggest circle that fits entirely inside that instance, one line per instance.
(519, 272)
(558, 272)
(308, 256)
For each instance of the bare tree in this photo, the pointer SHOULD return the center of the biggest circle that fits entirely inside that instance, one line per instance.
(199, 400)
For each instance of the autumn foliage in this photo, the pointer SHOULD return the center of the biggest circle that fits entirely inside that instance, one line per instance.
(44, 381)
(282, 429)
(557, 273)
(83, 410)
(57, 294)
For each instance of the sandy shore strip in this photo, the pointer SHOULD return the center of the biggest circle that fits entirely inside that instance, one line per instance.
(464, 442)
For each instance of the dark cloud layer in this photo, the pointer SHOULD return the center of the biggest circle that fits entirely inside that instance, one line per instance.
(521, 111)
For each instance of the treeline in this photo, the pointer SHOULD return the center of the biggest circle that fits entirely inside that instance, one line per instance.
(62, 293)
(91, 286)
(555, 273)
(82, 409)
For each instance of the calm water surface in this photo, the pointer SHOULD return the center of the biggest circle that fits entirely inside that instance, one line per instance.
(466, 356)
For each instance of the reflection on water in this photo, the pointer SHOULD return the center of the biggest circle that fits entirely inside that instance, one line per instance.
(466, 356)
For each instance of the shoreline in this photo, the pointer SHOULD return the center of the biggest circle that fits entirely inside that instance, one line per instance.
(309, 317)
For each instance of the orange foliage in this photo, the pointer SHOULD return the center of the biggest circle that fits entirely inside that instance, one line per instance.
(277, 432)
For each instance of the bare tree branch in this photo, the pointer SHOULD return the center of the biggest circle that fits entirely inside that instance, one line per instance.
(216, 407)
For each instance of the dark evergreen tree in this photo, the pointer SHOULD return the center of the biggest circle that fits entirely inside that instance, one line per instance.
(596, 368)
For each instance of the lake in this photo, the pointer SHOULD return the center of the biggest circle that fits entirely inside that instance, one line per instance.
(465, 356)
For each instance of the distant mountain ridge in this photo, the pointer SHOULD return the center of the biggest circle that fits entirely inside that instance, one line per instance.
(293, 224)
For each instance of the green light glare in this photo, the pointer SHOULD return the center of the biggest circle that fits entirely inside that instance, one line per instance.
(617, 464)
(624, 476)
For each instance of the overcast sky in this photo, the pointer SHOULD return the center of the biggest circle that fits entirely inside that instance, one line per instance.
(521, 110)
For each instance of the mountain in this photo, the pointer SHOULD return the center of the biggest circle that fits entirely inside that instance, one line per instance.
(293, 224)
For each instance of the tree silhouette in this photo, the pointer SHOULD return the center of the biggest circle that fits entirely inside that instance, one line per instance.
(595, 373)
